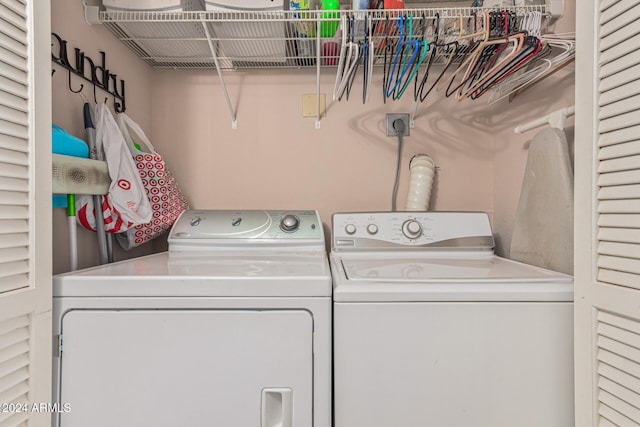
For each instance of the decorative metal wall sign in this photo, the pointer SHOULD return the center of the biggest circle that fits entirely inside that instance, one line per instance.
(85, 67)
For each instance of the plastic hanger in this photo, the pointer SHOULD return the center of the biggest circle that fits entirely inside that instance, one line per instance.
(531, 50)
(474, 48)
(433, 47)
(423, 49)
(351, 64)
(513, 41)
(349, 53)
(530, 23)
(342, 56)
(512, 34)
(482, 78)
(479, 57)
(540, 65)
(405, 49)
(452, 48)
(543, 67)
(368, 59)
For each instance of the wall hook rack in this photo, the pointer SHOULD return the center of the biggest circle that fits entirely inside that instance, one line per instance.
(86, 68)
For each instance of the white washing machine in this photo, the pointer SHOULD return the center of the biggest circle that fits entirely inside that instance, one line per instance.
(230, 327)
(432, 329)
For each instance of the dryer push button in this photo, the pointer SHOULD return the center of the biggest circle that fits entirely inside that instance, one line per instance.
(289, 223)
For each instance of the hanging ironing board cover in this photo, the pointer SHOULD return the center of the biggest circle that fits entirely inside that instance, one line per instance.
(543, 229)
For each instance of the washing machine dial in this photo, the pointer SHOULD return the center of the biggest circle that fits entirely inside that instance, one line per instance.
(372, 229)
(289, 223)
(350, 229)
(412, 229)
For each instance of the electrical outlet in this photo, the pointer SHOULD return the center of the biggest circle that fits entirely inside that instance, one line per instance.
(391, 131)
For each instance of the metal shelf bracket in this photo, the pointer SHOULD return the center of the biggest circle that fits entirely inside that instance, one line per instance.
(91, 14)
(234, 121)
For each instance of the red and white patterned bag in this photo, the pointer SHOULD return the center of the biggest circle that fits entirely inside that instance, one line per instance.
(166, 198)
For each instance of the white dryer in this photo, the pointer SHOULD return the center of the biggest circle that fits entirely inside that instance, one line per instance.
(230, 327)
(432, 329)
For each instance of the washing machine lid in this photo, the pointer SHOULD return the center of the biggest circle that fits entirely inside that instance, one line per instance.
(203, 274)
(463, 277)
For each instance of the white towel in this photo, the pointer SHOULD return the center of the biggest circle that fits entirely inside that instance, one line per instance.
(543, 230)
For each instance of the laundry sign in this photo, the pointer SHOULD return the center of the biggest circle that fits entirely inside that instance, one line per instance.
(84, 66)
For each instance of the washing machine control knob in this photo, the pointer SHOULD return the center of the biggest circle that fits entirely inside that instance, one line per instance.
(289, 223)
(372, 229)
(350, 229)
(412, 229)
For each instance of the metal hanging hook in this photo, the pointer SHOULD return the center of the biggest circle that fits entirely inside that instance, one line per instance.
(69, 83)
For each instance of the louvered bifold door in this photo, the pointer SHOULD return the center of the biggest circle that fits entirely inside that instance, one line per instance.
(25, 273)
(14, 147)
(14, 207)
(619, 144)
(616, 281)
(618, 370)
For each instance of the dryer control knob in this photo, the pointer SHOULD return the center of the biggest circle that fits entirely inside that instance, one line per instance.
(350, 229)
(289, 223)
(412, 229)
(372, 229)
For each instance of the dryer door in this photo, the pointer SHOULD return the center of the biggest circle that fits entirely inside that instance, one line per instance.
(167, 368)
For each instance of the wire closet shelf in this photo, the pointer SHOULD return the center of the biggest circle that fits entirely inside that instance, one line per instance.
(278, 39)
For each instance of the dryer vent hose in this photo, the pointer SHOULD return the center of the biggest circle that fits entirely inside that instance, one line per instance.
(422, 169)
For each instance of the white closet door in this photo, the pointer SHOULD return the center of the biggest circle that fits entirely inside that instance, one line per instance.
(607, 270)
(25, 213)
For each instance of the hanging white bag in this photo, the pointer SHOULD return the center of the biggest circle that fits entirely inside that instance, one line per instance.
(126, 204)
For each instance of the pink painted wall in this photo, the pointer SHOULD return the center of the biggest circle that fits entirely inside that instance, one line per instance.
(277, 159)
(67, 20)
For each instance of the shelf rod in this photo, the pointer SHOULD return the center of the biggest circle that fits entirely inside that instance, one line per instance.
(234, 121)
(555, 120)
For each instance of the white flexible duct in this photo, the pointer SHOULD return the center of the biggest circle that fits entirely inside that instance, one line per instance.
(422, 169)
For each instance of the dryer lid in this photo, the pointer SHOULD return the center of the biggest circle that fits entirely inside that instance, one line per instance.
(202, 274)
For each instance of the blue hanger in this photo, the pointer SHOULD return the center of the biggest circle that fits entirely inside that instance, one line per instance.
(412, 46)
